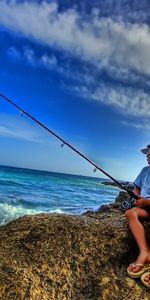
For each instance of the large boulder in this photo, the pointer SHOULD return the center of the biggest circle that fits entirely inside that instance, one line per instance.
(64, 257)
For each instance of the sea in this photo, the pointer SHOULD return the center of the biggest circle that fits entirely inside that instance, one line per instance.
(27, 191)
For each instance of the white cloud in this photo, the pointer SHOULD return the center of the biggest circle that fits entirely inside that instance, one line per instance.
(101, 40)
(45, 60)
(14, 53)
(49, 62)
(15, 127)
(128, 100)
(125, 75)
(121, 48)
(30, 56)
(144, 125)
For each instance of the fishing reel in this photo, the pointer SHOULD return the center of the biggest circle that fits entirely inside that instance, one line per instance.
(128, 203)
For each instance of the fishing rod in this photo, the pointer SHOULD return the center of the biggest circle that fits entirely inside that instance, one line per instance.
(96, 167)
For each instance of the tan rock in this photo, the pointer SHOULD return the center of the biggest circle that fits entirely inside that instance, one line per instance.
(63, 257)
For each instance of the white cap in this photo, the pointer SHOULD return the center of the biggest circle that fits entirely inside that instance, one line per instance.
(146, 150)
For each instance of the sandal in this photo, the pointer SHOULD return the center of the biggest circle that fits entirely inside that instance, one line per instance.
(143, 279)
(143, 269)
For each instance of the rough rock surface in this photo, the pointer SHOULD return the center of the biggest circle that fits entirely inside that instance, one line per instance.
(64, 257)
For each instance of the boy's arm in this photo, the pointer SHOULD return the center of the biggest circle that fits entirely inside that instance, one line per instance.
(142, 201)
(136, 190)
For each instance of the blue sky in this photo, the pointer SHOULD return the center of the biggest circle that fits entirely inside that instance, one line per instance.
(83, 69)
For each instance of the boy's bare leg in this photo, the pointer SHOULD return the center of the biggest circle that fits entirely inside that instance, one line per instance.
(133, 215)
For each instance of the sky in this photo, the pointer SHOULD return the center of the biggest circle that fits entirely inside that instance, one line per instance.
(83, 69)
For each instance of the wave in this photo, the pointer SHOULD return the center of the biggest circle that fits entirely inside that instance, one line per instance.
(10, 212)
(10, 182)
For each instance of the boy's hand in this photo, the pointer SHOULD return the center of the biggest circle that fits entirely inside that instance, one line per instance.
(142, 202)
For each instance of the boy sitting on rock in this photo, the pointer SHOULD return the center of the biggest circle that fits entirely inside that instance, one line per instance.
(134, 216)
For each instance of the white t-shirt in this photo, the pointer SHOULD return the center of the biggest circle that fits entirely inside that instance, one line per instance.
(143, 182)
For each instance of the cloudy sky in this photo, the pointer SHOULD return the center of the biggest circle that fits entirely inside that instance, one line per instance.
(83, 69)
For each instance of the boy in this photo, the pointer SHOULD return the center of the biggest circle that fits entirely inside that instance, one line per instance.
(134, 216)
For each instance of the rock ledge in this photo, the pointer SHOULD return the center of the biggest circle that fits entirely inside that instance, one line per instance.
(64, 257)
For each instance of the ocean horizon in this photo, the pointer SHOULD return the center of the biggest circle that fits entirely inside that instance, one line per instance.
(29, 191)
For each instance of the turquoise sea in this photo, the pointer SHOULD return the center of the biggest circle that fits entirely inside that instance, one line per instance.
(26, 191)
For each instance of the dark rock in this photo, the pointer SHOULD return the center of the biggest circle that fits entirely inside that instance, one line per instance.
(62, 257)
(128, 185)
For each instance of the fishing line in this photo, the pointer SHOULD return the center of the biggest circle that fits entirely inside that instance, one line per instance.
(96, 167)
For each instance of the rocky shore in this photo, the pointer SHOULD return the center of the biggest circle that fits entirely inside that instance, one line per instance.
(128, 185)
(64, 257)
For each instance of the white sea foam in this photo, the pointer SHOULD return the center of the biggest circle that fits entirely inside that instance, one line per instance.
(57, 210)
(10, 212)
